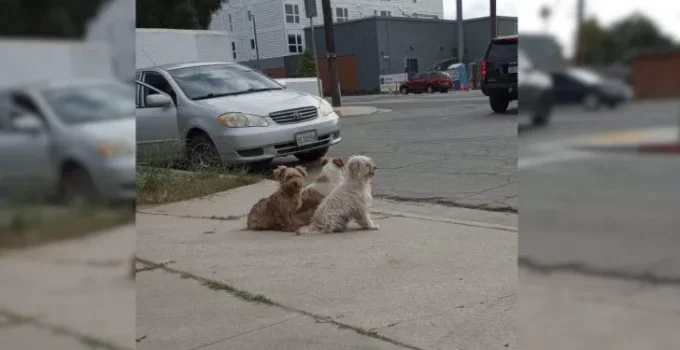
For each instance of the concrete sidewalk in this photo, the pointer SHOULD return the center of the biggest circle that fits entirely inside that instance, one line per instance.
(70, 295)
(431, 278)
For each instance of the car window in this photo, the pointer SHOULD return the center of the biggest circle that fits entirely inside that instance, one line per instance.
(585, 76)
(201, 82)
(159, 82)
(503, 50)
(86, 103)
(144, 90)
(433, 76)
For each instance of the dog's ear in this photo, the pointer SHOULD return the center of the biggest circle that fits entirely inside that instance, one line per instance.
(338, 162)
(292, 187)
(324, 161)
(278, 172)
(301, 170)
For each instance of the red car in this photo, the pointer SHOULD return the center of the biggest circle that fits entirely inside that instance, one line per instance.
(427, 82)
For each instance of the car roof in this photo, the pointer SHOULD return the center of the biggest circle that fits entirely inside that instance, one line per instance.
(60, 83)
(173, 66)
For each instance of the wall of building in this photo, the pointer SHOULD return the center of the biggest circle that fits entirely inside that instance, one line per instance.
(657, 75)
(382, 45)
(269, 20)
(477, 34)
(358, 38)
(273, 29)
(427, 41)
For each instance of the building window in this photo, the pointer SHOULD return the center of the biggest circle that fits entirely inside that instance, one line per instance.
(295, 43)
(292, 13)
(383, 13)
(233, 49)
(341, 14)
(252, 44)
(231, 24)
(250, 16)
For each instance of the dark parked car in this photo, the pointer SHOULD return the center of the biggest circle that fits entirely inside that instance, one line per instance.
(583, 86)
(499, 72)
(428, 82)
(535, 91)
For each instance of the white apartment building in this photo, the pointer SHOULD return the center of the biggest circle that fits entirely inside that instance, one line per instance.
(280, 23)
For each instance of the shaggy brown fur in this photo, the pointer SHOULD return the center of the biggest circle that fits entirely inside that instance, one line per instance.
(277, 212)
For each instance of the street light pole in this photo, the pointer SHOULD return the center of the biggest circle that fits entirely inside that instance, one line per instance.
(257, 48)
(316, 61)
(461, 36)
(330, 51)
(492, 14)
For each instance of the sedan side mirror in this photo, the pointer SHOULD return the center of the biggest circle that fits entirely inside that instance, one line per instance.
(158, 100)
(27, 123)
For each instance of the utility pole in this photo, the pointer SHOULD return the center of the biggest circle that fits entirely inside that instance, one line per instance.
(492, 15)
(580, 14)
(330, 51)
(310, 12)
(461, 36)
(257, 48)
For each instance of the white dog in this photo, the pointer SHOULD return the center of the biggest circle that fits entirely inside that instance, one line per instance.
(350, 200)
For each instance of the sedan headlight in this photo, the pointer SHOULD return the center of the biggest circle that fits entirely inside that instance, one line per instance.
(241, 120)
(112, 149)
(325, 108)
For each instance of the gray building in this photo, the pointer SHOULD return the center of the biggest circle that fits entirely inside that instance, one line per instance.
(386, 45)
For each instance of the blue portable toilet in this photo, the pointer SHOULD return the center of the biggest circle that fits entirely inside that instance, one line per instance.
(460, 76)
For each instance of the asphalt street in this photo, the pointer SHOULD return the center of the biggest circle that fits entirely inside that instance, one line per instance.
(600, 212)
(443, 148)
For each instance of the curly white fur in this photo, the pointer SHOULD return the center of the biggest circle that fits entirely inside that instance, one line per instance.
(350, 200)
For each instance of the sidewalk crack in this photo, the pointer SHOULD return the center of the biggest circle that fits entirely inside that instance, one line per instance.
(259, 298)
(87, 340)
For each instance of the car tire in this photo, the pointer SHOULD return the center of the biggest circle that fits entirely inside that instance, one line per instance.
(499, 102)
(403, 90)
(430, 89)
(77, 188)
(202, 153)
(444, 90)
(312, 155)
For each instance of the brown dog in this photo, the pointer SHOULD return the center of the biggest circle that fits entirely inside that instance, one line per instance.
(277, 212)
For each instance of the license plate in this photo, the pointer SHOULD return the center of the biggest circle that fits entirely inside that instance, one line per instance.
(306, 138)
(512, 69)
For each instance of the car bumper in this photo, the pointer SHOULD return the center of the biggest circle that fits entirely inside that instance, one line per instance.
(116, 179)
(247, 145)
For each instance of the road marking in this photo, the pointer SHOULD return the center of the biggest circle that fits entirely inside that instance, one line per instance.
(662, 134)
(562, 156)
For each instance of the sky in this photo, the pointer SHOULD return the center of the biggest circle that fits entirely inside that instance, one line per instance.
(563, 22)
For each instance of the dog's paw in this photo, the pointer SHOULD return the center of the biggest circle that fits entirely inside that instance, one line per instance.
(374, 227)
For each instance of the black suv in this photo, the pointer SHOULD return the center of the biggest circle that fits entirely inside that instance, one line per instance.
(499, 72)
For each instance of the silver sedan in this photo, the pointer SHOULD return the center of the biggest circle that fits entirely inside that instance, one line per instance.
(223, 112)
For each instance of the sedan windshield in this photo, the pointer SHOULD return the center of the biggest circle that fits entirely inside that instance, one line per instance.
(203, 82)
(91, 102)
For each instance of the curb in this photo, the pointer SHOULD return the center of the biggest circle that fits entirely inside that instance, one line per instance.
(650, 148)
(341, 114)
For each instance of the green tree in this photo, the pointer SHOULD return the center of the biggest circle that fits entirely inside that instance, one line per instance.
(618, 42)
(306, 68)
(47, 18)
(176, 14)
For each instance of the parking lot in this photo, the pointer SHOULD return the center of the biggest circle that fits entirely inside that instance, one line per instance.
(444, 148)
